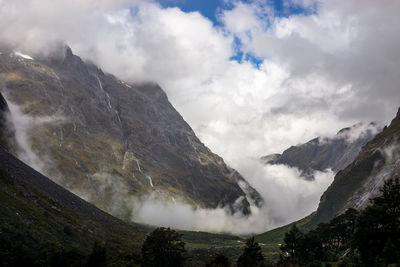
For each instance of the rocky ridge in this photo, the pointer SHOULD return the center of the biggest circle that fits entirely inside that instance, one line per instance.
(320, 153)
(355, 185)
(108, 141)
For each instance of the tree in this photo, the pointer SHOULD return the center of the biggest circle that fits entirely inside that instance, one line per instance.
(292, 243)
(163, 248)
(378, 227)
(371, 237)
(341, 229)
(252, 256)
(219, 261)
(310, 248)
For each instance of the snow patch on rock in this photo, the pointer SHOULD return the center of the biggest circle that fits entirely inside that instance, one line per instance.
(19, 54)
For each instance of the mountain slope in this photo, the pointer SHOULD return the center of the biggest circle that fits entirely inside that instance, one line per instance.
(38, 217)
(361, 180)
(270, 241)
(352, 187)
(3, 121)
(7, 132)
(108, 141)
(35, 211)
(321, 153)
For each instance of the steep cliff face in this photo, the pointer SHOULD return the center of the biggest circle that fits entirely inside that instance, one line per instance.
(321, 153)
(7, 131)
(361, 180)
(108, 140)
(3, 120)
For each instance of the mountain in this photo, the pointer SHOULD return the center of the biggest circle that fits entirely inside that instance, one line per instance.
(3, 121)
(352, 187)
(360, 181)
(7, 132)
(36, 211)
(320, 153)
(40, 220)
(108, 141)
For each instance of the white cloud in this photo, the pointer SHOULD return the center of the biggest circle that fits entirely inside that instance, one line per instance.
(346, 43)
(24, 125)
(289, 198)
(319, 73)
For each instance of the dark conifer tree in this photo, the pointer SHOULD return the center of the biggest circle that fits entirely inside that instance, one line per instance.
(252, 256)
(219, 261)
(378, 227)
(292, 243)
(163, 248)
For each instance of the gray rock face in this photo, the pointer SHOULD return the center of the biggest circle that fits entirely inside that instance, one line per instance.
(355, 185)
(3, 120)
(321, 153)
(108, 140)
(7, 131)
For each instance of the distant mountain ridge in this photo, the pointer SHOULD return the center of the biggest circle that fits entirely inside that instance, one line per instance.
(320, 154)
(355, 185)
(108, 140)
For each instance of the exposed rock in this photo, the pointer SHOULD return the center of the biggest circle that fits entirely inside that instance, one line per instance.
(321, 153)
(98, 126)
(355, 185)
(7, 131)
(3, 118)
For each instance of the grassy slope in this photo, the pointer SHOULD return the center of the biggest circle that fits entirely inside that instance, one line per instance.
(37, 213)
(31, 218)
(195, 240)
(269, 241)
(204, 247)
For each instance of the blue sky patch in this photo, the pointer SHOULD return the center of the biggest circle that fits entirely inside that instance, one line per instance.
(207, 8)
(210, 9)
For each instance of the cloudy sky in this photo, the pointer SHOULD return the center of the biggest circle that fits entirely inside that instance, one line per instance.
(251, 77)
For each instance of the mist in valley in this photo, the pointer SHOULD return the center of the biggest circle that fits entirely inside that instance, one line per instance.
(241, 109)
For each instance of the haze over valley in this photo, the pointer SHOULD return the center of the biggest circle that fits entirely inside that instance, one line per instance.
(228, 117)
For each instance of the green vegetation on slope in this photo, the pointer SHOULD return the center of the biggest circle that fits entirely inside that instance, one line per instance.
(367, 238)
(349, 184)
(270, 241)
(31, 219)
(41, 222)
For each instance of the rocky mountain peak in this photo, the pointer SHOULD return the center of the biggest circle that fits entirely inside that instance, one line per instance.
(320, 153)
(110, 140)
(397, 115)
(153, 91)
(68, 53)
(63, 57)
